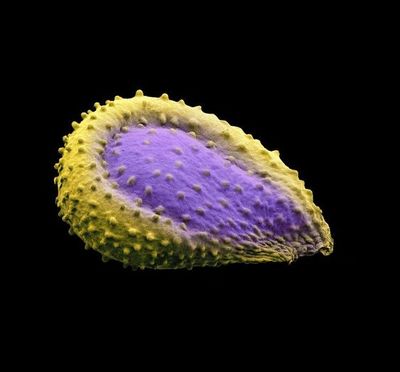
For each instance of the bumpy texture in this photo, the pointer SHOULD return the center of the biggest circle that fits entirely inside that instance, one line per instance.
(155, 183)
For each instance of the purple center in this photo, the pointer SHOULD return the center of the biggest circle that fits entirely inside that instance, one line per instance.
(178, 176)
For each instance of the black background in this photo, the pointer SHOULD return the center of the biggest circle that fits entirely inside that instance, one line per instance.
(296, 84)
(296, 102)
(301, 79)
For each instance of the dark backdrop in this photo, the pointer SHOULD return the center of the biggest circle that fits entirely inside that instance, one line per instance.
(298, 89)
(300, 82)
(303, 79)
(297, 102)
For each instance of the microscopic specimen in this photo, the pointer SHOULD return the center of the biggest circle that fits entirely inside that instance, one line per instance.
(155, 183)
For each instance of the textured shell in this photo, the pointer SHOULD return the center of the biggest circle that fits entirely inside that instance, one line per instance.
(155, 183)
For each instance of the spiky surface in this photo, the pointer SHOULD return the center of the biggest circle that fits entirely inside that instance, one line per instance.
(155, 183)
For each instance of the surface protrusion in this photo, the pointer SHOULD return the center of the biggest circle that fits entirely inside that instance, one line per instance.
(178, 164)
(196, 187)
(200, 211)
(159, 210)
(121, 169)
(225, 184)
(148, 190)
(163, 118)
(131, 181)
(180, 195)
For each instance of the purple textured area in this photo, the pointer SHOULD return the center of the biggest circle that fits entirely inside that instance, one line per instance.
(151, 156)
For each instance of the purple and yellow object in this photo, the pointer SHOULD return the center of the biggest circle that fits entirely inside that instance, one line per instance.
(155, 183)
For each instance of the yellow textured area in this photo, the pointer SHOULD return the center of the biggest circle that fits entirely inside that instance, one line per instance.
(122, 230)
